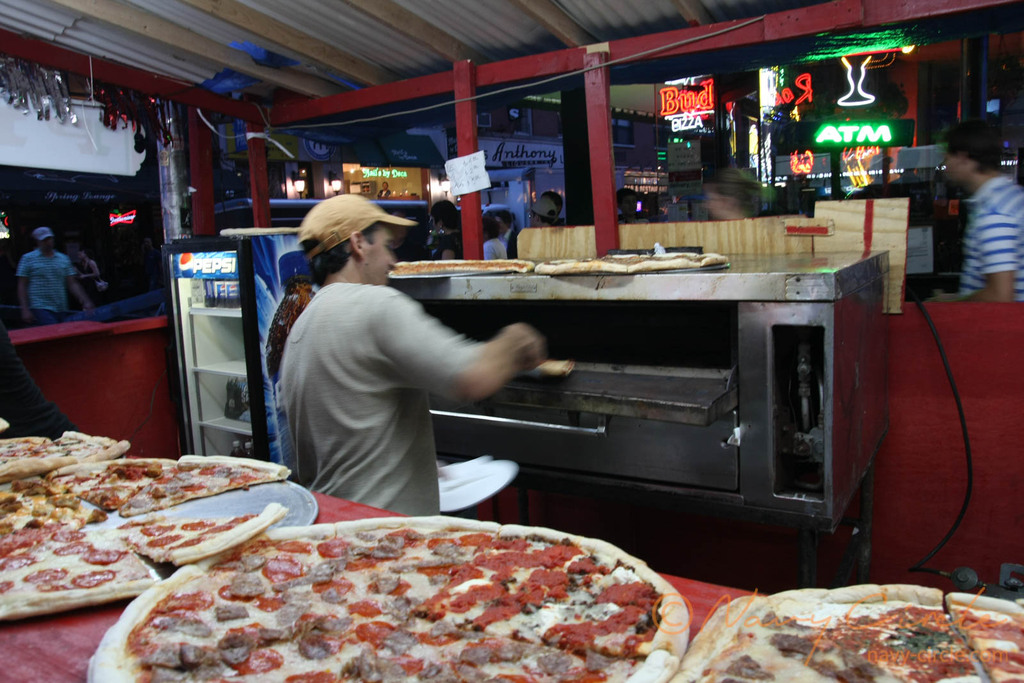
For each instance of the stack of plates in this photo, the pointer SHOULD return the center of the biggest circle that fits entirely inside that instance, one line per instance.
(465, 484)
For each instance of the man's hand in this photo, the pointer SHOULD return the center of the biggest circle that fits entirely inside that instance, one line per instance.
(514, 349)
(527, 346)
(27, 317)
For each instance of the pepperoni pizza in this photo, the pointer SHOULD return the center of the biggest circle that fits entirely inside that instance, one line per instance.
(433, 598)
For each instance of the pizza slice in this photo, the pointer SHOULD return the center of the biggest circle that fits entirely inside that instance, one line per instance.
(185, 540)
(413, 268)
(197, 476)
(111, 484)
(859, 633)
(35, 502)
(20, 446)
(38, 456)
(581, 267)
(136, 486)
(994, 628)
(60, 568)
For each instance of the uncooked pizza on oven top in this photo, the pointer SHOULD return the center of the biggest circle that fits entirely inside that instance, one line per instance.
(431, 599)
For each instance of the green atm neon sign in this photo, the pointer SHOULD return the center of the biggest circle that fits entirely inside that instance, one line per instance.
(854, 133)
(895, 133)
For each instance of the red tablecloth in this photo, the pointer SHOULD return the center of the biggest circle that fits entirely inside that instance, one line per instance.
(57, 648)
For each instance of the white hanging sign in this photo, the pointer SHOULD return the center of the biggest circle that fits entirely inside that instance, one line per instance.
(467, 174)
(86, 146)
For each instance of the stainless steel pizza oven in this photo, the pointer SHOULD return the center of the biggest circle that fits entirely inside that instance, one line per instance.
(758, 390)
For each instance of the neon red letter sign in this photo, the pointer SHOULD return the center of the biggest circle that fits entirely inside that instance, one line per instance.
(675, 101)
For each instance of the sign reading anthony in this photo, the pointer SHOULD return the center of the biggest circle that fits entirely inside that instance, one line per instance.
(515, 154)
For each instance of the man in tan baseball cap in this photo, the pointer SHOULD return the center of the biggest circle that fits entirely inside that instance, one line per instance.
(361, 359)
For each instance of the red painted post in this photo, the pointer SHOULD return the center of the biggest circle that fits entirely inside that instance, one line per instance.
(200, 162)
(602, 156)
(464, 74)
(258, 178)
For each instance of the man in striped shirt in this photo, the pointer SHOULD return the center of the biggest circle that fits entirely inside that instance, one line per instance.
(993, 244)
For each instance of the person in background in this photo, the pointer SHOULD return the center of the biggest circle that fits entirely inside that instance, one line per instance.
(89, 275)
(732, 194)
(993, 243)
(22, 404)
(446, 238)
(493, 248)
(506, 233)
(8, 274)
(627, 200)
(152, 265)
(385, 191)
(557, 199)
(361, 359)
(544, 212)
(44, 277)
(408, 243)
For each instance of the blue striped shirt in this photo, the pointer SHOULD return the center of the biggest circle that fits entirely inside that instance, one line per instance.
(47, 279)
(994, 240)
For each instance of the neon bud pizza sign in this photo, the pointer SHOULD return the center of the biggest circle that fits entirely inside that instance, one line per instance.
(687, 106)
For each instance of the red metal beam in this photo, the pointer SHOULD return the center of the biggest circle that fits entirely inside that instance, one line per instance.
(533, 66)
(464, 75)
(200, 163)
(53, 56)
(597, 86)
(877, 12)
(258, 178)
(399, 91)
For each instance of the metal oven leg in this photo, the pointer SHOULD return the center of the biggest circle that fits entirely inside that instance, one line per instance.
(858, 549)
(807, 550)
(524, 505)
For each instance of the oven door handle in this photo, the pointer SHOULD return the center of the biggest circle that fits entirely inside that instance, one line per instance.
(600, 430)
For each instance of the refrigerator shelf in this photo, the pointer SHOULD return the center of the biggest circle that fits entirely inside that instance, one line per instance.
(217, 312)
(228, 425)
(230, 368)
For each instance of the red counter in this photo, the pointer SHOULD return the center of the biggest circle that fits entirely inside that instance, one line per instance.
(57, 648)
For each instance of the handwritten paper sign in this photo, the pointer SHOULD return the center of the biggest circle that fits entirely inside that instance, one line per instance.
(467, 174)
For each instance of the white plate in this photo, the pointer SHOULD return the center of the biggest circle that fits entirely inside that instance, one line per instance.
(465, 484)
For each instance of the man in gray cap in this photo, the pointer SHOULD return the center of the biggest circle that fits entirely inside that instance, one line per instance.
(44, 277)
(361, 359)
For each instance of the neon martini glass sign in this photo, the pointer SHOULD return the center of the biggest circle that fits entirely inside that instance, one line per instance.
(856, 97)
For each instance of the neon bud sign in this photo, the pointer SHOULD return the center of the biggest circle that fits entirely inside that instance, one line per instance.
(680, 101)
(128, 217)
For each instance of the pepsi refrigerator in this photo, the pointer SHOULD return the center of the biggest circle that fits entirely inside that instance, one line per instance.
(232, 301)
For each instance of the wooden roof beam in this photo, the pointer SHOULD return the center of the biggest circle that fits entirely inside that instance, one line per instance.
(418, 30)
(180, 39)
(330, 57)
(556, 22)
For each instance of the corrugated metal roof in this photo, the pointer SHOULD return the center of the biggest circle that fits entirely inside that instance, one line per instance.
(343, 44)
(367, 32)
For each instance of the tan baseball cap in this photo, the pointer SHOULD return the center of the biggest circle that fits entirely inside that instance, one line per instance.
(334, 220)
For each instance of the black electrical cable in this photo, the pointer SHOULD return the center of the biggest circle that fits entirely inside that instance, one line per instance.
(967, 445)
(152, 400)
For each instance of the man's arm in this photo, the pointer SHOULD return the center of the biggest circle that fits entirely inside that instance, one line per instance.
(514, 349)
(998, 287)
(26, 312)
(79, 292)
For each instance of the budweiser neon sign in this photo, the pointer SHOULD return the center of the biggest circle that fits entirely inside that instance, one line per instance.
(692, 100)
(128, 217)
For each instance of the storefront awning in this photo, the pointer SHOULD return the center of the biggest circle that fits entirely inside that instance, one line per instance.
(369, 153)
(402, 149)
(46, 186)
